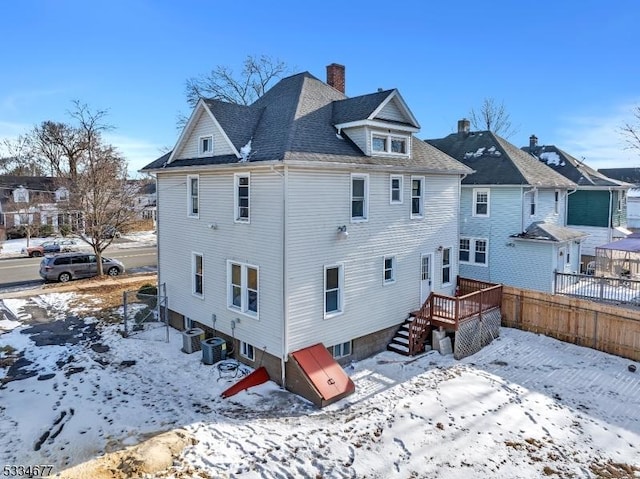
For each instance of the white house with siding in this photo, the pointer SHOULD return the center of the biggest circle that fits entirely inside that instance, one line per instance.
(307, 217)
(512, 213)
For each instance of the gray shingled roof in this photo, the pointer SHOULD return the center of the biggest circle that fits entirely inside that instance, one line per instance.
(498, 162)
(628, 175)
(359, 107)
(570, 167)
(541, 230)
(295, 121)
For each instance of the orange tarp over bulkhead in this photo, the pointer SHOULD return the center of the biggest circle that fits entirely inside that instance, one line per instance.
(324, 372)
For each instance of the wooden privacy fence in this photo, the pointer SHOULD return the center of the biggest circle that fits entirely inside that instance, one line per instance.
(596, 325)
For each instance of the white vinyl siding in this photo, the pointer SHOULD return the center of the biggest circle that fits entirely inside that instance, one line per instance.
(312, 245)
(392, 112)
(193, 196)
(395, 189)
(179, 236)
(203, 126)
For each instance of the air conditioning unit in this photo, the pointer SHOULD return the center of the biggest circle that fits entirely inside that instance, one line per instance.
(214, 350)
(191, 339)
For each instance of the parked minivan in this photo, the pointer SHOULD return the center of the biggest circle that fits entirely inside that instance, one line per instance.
(67, 266)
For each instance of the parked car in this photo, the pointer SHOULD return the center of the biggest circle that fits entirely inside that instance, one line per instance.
(67, 266)
(54, 246)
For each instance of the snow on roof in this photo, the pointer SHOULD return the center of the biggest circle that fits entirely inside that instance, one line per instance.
(551, 158)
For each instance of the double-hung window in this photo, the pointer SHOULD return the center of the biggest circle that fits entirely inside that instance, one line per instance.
(481, 202)
(532, 203)
(395, 189)
(243, 287)
(473, 251)
(242, 197)
(197, 266)
(359, 197)
(206, 145)
(556, 202)
(446, 266)
(389, 269)
(417, 196)
(193, 196)
(333, 294)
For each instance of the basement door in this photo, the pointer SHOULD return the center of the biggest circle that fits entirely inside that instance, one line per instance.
(425, 276)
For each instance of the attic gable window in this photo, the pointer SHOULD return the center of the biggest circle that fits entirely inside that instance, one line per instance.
(389, 144)
(206, 145)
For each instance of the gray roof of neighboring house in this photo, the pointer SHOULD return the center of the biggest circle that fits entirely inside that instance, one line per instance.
(498, 162)
(41, 183)
(295, 121)
(628, 175)
(540, 230)
(571, 167)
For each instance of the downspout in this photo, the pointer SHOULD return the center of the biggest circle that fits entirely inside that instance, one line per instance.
(285, 310)
(462, 177)
(610, 219)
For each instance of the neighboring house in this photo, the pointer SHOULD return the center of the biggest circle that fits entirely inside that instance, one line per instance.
(34, 200)
(307, 217)
(512, 213)
(145, 200)
(598, 206)
(631, 176)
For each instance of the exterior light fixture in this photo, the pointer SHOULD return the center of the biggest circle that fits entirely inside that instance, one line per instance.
(342, 232)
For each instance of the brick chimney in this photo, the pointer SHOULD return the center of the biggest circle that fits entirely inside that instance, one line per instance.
(533, 141)
(463, 127)
(335, 76)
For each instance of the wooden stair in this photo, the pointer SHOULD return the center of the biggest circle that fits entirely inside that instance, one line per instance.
(400, 342)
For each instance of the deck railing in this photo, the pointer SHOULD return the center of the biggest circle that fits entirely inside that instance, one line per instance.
(618, 290)
(449, 311)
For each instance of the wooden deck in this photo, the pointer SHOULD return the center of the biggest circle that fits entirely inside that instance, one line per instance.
(474, 298)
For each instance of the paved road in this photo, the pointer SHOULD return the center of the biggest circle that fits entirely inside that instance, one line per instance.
(19, 272)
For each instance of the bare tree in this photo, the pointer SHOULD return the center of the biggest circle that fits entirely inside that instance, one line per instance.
(100, 191)
(60, 144)
(493, 116)
(631, 130)
(222, 83)
(17, 157)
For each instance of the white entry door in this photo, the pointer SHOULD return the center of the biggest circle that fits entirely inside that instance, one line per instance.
(426, 274)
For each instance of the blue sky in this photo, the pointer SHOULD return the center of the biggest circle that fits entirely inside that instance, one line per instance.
(566, 71)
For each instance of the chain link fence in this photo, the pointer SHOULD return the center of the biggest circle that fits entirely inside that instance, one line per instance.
(145, 314)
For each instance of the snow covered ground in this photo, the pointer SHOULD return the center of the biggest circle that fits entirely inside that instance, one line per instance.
(526, 406)
(13, 248)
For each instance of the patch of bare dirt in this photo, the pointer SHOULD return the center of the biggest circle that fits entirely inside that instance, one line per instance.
(149, 457)
(614, 470)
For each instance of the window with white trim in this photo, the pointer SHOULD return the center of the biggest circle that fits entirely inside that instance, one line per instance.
(197, 269)
(464, 250)
(193, 196)
(389, 144)
(417, 196)
(481, 202)
(242, 197)
(389, 269)
(556, 202)
(446, 266)
(205, 145)
(533, 202)
(333, 284)
(473, 251)
(341, 350)
(247, 351)
(359, 197)
(395, 189)
(243, 288)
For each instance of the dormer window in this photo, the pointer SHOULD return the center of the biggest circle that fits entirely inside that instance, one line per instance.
(206, 145)
(389, 144)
